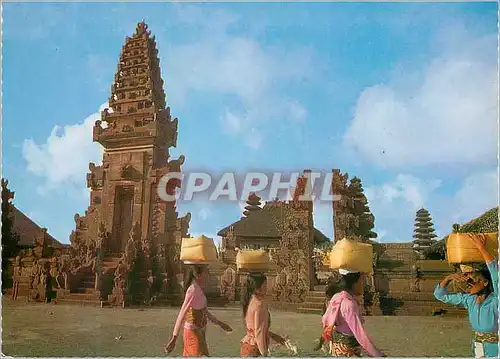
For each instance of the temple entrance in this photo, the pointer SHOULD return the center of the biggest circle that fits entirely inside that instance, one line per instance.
(122, 221)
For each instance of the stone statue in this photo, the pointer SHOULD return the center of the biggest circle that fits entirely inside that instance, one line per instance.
(102, 236)
(417, 273)
(64, 269)
(35, 274)
(228, 284)
(18, 272)
(120, 275)
(55, 271)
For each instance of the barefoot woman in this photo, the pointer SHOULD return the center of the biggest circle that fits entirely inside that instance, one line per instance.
(194, 316)
(481, 301)
(257, 318)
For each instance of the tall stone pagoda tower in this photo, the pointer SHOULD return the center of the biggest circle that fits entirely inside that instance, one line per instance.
(126, 218)
(424, 232)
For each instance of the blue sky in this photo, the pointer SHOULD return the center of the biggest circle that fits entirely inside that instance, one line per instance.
(401, 95)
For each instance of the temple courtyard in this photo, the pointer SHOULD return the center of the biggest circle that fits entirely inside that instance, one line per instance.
(71, 330)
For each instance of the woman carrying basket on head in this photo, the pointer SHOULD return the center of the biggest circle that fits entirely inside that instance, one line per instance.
(194, 314)
(257, 319)
(481, 301)
(343, 325)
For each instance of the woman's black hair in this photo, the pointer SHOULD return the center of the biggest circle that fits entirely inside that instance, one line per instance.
(254, 282)
(332, 288)
(194, 271)
(348, 281)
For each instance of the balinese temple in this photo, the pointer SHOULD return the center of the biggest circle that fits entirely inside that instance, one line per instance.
(260, 226)
(126, 218)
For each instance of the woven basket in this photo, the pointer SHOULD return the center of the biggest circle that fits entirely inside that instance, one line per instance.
(252, 260)
(461, 249)
(352, 256)
(199, 250)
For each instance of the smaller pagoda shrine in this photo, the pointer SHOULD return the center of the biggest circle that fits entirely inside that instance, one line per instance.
(424, 232)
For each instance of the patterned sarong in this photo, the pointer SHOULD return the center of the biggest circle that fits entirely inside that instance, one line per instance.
(486, 337)
(344, 346)
(195, 343)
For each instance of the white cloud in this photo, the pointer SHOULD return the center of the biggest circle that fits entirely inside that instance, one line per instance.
(478, 193)
(231, 123)
(414, 192)
(254, 139)
(220, 62)
(395, 203)
(447, 114)
(64, 157)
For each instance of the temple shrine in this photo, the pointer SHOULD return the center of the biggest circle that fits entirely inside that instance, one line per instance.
(128, 231)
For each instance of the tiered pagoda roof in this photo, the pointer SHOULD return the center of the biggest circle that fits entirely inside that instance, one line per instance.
(424, 231)
(137, 112)
(253, 204)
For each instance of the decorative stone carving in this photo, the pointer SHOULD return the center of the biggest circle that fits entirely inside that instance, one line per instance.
(96, 176)
(417, 275)
(228, 284)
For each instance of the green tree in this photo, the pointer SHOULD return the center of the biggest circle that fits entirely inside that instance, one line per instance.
(364, 220)
(10, 240)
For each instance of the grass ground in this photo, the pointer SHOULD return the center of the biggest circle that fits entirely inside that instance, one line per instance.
(64, 331)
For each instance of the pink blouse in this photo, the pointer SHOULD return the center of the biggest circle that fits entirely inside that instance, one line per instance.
(344, 314)
(194, 299)
(257, 325)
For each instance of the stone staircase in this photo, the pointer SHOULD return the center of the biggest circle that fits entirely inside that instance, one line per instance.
(84, 292)
(314, 302)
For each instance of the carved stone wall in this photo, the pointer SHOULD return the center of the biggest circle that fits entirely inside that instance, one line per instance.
(38, 272)
(293, 258)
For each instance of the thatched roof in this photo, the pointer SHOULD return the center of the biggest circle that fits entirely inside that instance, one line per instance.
(264, 224)
(28, 230)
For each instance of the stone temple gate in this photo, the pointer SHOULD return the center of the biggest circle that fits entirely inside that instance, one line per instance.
(127, 241)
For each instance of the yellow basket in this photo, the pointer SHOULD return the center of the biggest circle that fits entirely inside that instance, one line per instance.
(352, 255)
(461, 249)
(199, 250)
(252, 260)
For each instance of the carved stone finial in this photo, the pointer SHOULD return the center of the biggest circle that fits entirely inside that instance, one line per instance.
(141, 28)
